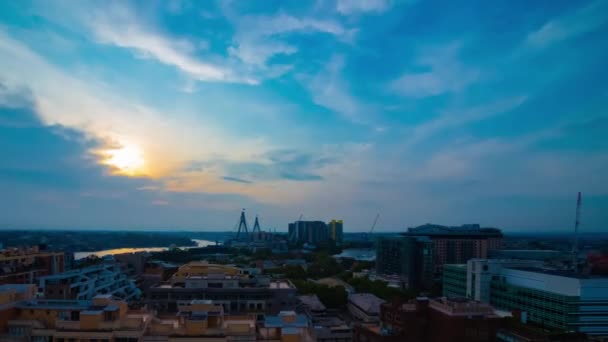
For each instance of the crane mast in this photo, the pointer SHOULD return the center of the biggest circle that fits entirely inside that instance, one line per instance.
(577, 223)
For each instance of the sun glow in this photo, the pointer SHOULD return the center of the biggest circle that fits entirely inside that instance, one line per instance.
(127, 160)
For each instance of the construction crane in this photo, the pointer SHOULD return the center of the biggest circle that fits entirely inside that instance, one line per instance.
(371, 231)
(374, 224)
(577, 223)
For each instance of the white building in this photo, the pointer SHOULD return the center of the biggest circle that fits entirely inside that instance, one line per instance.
(480, 273)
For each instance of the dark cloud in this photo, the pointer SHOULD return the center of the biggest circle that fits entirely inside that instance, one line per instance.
(280, 164)
(237, 180)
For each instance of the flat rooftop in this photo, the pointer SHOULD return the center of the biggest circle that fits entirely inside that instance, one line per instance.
(280, 284)
(559, 273)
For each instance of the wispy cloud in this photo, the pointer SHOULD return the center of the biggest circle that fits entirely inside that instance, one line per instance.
(260, 37)
(459, 117)
(446, 73)
(120, 27)
(328, 89)
(570, 25)
(348, 7)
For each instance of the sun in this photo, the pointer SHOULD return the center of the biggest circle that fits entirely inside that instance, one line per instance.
(128, 159)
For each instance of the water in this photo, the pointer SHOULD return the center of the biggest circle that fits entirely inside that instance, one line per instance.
(361, 254)
(81, 255)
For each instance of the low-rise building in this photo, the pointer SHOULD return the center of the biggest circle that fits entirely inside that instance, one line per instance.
(103, 318)
(85, 283)
(365, 307)
(285, 326)
(201, 320)
(10, 296)
(231, 287)
(25, 265)
(433, 320)
(325, 327)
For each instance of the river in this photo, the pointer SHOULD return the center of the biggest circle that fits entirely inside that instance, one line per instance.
(361, 254)
(81, 255)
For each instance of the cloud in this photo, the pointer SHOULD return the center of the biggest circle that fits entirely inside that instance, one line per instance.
(235, 179)
(276, 165)
(584, 20)
(445, 73)
(348, 7)
(48, 167)
(260, 37)
(458, 117)
(165, 136)
(329, 90)
(120, 27)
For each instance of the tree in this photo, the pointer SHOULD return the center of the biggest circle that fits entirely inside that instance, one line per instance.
(332, 297)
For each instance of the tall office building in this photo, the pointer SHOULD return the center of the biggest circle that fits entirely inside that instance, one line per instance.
(408, 257)
(336, 230)
(456, 245)
(312, 232)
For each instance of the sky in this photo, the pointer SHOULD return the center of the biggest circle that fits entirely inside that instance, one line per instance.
(178, 114)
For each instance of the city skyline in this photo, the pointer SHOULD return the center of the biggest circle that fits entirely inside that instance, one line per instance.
(154, 115)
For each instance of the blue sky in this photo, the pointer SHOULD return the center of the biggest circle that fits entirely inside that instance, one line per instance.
(177, 114)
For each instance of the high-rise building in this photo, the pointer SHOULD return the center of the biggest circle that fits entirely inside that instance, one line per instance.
(456, 245)
(336, 230)
(312, 232)
(25, 265)
(408, 257)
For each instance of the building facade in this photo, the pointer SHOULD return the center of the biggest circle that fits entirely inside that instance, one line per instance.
(311, 232)
(26, 265)
(433, 320)
(554, 299)
(336, 231)
(559, 300)
(85, 283)
(233, 288)
(411, 258)
(454, 280)
(456, 245)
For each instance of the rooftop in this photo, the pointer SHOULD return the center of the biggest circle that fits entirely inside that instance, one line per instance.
(366, 302)
(461, 307)
(559, 273)
(313, 302)
(464, 230)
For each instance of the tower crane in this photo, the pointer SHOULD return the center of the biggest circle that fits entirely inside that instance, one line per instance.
(577, 223)
(374, 224)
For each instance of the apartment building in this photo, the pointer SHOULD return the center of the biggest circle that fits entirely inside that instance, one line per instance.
(235, 289)
(25, 265)
(85, 283)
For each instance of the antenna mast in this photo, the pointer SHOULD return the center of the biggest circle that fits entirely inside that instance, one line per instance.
(577, 223)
